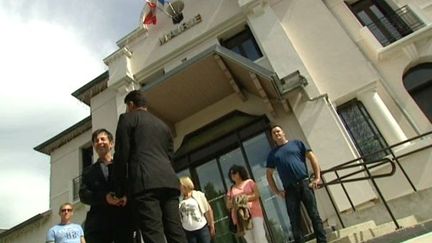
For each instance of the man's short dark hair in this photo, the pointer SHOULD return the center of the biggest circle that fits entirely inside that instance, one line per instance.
(273, 126)
(137, 97)
(102, 130)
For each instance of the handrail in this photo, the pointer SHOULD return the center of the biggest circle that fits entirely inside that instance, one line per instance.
(366, 167)
(373, 164)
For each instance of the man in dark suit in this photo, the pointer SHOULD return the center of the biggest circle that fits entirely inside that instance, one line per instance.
(142, 168)
(108, 220)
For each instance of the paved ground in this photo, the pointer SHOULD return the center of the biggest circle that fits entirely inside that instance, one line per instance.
(420, 233)
(426, 238)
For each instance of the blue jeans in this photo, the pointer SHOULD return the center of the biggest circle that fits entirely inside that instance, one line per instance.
(199, 236)
(300, 192)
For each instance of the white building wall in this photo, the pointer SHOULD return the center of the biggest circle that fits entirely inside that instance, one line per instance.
(392, 61)
(65, 166)
(334, 62)
(148, 56)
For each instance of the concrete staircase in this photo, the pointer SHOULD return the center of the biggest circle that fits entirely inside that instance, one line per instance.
(370, 232)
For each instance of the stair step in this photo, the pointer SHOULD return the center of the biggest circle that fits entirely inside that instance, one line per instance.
(408, 234)
(341, 233)
(372, 232)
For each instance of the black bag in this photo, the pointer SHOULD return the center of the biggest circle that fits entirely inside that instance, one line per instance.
(231, 226)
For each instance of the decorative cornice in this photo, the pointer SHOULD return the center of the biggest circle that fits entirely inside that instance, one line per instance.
(124, 85)
(124, 51)
(249, 6)
(92, 88)
(138, 32)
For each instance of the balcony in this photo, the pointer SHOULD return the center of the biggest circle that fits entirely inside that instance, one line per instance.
(75, 188)
(394, 26)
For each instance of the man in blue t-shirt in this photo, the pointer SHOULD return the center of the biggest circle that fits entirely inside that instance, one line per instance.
(289, 159)
(66, 231)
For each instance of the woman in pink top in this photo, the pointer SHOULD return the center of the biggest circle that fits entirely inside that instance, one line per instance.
(242, 185)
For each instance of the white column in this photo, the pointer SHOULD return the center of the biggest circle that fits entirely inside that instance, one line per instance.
(382, 117)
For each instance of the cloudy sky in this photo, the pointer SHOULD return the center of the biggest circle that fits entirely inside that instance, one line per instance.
(49, 49)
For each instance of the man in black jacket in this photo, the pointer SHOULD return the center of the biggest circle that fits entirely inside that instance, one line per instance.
(143, 153)
(109, 219)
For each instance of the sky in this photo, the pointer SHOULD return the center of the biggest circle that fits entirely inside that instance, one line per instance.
(49, 49)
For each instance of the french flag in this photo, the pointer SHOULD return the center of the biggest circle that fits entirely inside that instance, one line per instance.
(148, 15)
(149, 12)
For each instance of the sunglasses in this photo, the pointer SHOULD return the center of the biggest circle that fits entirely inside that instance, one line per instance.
(66, 210)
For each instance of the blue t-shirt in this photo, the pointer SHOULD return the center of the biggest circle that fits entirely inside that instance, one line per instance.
(65, 233)
(290, 161)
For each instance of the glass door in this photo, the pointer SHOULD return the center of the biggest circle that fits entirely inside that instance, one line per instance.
(256, 150)
(212, 184)
(211, 177)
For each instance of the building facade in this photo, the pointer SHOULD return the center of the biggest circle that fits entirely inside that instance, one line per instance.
(347, 77)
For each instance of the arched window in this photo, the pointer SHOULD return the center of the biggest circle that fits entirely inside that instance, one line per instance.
(418, 83)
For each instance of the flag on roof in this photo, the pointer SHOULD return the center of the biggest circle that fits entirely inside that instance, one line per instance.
(148, 15)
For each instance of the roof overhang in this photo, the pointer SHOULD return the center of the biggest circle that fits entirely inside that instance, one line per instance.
(211, 76)
(92, 88)
(28, 222)
(65, 136)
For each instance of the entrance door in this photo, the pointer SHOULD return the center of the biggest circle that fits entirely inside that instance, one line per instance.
(213, 181)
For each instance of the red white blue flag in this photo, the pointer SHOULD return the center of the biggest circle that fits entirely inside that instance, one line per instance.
(148, 15)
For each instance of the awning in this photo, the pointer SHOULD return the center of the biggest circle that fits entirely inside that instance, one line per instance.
(207, 78)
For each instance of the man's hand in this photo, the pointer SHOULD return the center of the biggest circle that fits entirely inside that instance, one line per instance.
(315, 183)
(212, 230)
(122, 201)
(111, 199)
(115, 201)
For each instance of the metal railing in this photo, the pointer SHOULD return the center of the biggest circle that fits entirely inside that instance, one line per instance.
(395, 26)
(362, 170)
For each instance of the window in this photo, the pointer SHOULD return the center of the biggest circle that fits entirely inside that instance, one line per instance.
(386, 24)
(86, 156)
(243, 44)
(362, 130)
(418, 83)
(86, 160)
